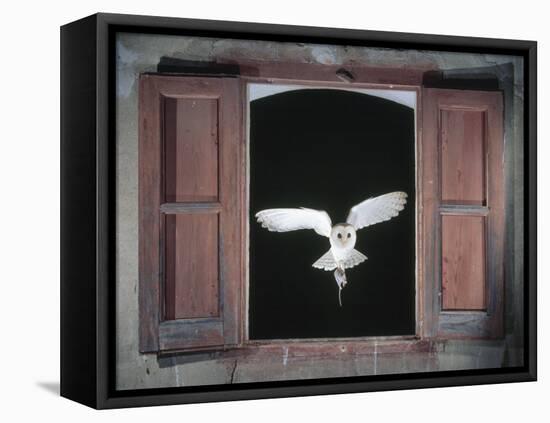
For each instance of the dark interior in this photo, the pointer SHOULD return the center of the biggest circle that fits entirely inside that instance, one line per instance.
(330, 149)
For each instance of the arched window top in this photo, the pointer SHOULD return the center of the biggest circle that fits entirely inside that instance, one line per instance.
(403, 97)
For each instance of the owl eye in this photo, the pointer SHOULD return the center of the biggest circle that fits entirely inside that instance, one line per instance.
(339, 235)
(349, 235)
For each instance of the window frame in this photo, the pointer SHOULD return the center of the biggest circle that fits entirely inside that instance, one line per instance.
(327, 81)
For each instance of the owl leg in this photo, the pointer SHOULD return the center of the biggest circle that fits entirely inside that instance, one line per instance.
(340, 276)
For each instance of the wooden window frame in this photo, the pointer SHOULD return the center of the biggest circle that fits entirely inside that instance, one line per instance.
(360, 77)
(324, 77)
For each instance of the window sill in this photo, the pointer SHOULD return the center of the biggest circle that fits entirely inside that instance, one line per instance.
(296, 349)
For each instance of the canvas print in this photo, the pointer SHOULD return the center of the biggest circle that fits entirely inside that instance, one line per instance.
(291, 211)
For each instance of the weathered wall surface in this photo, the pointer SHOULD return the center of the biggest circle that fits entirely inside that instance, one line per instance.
(138, 53)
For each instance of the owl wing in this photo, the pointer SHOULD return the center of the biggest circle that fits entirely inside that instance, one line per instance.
(285, 220)
(377, 209)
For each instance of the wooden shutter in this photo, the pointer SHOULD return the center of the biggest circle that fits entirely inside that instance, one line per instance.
(462, 200)
(191, 177)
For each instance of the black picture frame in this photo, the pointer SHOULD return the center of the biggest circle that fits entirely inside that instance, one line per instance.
(88, 197)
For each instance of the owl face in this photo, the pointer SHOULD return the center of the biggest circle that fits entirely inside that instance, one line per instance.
(343, 235)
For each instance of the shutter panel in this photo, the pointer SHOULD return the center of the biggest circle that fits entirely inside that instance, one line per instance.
(191, 176)
(462, 198)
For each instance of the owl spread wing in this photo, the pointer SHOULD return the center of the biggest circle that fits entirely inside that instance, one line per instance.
(284, 220)
(377, 209)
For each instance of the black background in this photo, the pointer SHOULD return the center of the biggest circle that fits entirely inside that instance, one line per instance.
(329, 150)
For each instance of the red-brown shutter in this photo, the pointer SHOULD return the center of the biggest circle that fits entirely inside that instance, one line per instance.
(462, 200)
(191, 178)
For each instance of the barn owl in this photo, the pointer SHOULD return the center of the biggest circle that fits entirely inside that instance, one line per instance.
(342, 236)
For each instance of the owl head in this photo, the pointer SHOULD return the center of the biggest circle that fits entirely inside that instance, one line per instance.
(343, 235)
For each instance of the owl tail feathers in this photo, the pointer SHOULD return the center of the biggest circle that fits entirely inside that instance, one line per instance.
(353, 259)
(328, 263)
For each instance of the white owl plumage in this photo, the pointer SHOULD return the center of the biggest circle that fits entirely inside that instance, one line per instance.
(342, 236)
